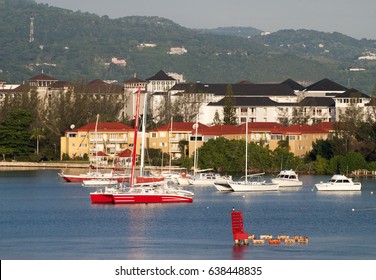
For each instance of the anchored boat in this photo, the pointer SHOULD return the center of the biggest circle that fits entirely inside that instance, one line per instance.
(287, 178)
(339, 183)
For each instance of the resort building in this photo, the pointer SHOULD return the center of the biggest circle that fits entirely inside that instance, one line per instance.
(105, 139)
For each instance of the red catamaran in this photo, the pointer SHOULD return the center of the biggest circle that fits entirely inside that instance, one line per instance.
(155, 192)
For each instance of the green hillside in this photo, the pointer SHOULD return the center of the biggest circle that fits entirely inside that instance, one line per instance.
(79, 46)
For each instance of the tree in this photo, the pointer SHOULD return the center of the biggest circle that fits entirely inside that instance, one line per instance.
(14, 133)
(322, 148)
(37, 134)
(284, 143)
(216, 119)
(352, 161)
(320, 165)
(187, 104)
(229, 109)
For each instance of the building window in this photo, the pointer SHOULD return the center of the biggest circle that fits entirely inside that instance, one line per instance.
(192, 138)
(276, 137)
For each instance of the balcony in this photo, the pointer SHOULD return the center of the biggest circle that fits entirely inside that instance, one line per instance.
(118, 140)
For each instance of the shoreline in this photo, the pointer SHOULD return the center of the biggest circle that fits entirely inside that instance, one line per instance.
(42, 165)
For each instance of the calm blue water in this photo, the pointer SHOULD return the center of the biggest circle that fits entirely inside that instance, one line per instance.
(42, 217)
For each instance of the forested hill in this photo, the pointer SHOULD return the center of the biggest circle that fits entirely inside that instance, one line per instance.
(79, 46)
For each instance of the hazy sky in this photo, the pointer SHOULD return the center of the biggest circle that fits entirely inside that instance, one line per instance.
(353, 18)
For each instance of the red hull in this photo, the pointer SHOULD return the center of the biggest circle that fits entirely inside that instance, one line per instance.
(152, 198)
(97, 198)
(140, 180)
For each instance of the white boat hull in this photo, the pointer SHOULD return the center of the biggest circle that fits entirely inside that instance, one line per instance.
(223, 186)
(339, 183)
(337, 187)
(287, 183)
(183, 181)
(253, 187)
(99, 183)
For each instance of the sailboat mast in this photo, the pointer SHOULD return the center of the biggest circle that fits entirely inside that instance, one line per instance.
(96, 142)
(134, 152)
(169, 144)
(195, 155)
(142, 164)
(246, 150)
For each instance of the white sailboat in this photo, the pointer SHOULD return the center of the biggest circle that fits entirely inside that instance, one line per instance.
(204, 177)
(249, 184)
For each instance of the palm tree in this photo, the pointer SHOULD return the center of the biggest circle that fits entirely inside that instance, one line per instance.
(284, 143)
(37, 134)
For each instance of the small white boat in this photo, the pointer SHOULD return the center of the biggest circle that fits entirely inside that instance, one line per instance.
(207, 179)
(339, 183)
(223, 186)
(253, 183)
(287, 178)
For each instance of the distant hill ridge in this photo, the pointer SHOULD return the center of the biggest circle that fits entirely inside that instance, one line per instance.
(81, 46)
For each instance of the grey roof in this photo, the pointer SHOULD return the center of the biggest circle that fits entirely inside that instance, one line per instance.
(192, 88)
(161, 76)
(293, 84)
(238, 89)
(317, 102)
(248, 101)
(352, 93)
(42, 77)
(326, 85)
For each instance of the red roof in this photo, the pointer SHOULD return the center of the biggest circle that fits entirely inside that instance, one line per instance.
(326, 126)
(101, 154)
(125, 153)
(302, 128)
(182, 126)
(273, 127)
(222, 129)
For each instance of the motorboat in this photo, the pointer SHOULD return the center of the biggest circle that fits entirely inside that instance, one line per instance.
(287, 178)
(253, 183)
(339, 183)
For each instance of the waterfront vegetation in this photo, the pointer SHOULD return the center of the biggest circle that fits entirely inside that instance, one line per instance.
(353, 146)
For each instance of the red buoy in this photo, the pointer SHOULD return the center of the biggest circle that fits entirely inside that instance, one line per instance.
(238, 227)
